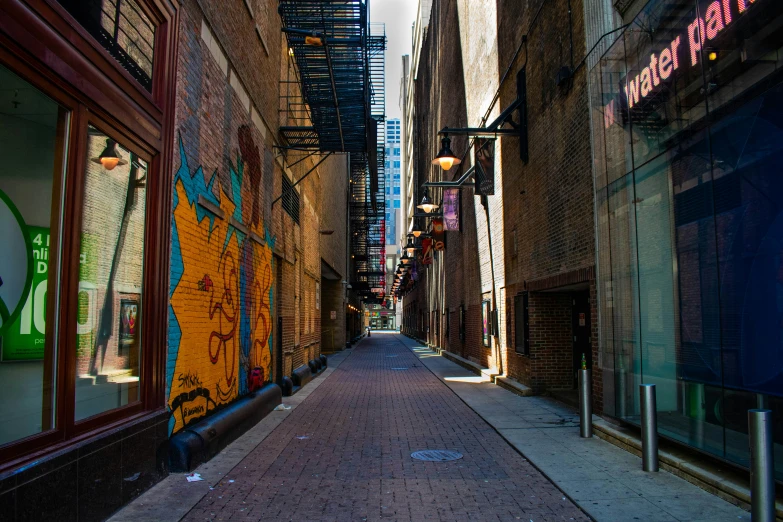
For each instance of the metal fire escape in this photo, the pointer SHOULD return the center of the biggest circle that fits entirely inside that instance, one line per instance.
(338, 59)
(368, 190)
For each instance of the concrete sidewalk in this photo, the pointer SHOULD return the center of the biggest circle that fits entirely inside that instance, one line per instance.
(605, 481)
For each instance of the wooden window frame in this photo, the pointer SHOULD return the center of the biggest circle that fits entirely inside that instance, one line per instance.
(41, 43)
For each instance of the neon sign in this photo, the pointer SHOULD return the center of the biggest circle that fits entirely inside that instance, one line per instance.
(717, 17)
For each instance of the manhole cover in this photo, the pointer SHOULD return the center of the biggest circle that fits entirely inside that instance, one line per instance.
(436, 455)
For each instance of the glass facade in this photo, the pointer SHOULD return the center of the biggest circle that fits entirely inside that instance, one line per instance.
(687, 119)
(392, 179)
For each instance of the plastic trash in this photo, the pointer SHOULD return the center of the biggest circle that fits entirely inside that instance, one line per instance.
(194, 477)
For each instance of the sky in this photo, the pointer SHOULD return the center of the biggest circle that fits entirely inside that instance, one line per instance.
(398, 15)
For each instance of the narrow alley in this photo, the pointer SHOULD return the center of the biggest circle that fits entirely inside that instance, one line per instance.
(345, 451)
(345, 454)
(348, 260)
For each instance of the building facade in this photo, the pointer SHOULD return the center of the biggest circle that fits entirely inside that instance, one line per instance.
(87, 125)
(626, 221)
(686, 125)
(167, 249)
(522, 245)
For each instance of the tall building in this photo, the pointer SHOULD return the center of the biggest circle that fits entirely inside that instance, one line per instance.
(393, 169)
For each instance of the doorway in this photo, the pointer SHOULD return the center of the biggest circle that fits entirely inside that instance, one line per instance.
(582, 332)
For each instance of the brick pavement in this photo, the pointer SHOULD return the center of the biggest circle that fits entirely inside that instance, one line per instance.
(361, 426)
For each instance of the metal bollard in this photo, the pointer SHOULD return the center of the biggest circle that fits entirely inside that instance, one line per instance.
(762, 481)
(585, 404)
(649, 427)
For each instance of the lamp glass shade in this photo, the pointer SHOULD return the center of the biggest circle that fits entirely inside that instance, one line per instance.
(446, 158)
(314, 40)
(110, 156)
(427, 205)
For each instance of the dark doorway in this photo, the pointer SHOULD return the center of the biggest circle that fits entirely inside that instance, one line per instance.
(580, 326)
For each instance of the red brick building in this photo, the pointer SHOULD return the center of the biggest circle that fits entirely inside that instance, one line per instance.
(174, 251)
(514, 289)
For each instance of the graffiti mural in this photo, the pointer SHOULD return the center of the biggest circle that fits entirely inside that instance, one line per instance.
(221, 291)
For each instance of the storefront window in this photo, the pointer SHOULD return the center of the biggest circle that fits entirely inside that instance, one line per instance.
(32, 134)
(108, 343)
(691, 233)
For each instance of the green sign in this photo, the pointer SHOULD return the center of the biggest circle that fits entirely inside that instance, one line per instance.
(16, 264)
(26, 335)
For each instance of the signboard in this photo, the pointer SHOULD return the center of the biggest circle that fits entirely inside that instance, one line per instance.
(26, 334)
(129, 325)
(333, 314)
(451, 209)
(485, 166)
(693, 40)
(426, 252)
(16, 263)
(438, 235)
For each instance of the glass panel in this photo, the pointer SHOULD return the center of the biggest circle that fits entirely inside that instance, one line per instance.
(741, 48)
(615, 110)
(748, 193)
(665, 91)
(697, 421)
(32, 134)
(605, 300)
(108, 351)
(625, 302)
(122, 28)
(599, 119)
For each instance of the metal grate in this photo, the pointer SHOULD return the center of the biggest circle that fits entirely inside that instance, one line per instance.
(290, 199)
(436, 455)
(123, 29)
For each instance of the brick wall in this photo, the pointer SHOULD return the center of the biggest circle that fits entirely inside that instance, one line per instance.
(238, 260)
(539, 223)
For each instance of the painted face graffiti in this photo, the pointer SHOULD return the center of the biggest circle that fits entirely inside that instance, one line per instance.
(221, 284)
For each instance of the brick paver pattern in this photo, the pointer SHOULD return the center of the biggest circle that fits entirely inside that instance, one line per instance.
(345, 454)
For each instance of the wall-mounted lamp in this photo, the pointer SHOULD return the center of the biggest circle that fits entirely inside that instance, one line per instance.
(427, 204)
(417, 231)
(446, 158)
(410, 248)
(312, 38)
(110, 157)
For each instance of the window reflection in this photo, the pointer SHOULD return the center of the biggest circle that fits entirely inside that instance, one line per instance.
(109, 318)
(32, 130)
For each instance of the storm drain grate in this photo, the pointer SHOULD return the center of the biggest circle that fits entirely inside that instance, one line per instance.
(436, 455)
